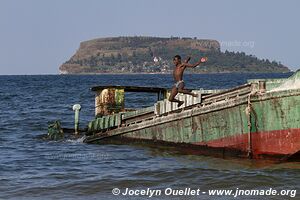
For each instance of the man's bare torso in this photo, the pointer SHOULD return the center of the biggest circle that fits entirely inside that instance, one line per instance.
(178, 73)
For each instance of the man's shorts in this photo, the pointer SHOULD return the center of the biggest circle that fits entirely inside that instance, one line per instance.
(178, 83)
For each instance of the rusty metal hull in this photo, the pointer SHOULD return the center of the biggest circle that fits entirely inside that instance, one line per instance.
(270, 130)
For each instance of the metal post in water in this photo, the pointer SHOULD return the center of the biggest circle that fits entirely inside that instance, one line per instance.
(76, 108)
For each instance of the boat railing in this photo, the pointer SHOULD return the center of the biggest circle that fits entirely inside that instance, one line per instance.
(165, 107)
(233, 93)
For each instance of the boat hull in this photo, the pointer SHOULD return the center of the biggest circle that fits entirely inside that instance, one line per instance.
(242, 120)
(277, 144)
(274, 130)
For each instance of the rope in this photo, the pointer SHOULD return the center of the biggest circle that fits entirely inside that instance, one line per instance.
(248, 113)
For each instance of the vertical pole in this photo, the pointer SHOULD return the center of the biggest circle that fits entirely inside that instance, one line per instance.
(77, 108)
(262, 86)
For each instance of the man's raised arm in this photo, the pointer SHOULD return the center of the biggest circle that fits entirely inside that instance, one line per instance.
(187, 59)
(202, 60)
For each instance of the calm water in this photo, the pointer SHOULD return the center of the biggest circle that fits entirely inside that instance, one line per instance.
(31, 168)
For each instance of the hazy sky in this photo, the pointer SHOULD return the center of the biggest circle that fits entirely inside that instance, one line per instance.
(37, 36)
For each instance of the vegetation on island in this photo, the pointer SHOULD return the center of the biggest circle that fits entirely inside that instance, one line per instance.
(154, 55)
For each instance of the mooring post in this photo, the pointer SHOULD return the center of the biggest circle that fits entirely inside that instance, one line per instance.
(76, 108)
(262, 86)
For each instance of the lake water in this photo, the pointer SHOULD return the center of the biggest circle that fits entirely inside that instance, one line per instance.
(32, 168)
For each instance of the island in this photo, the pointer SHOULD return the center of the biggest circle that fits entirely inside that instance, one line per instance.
(140, 54)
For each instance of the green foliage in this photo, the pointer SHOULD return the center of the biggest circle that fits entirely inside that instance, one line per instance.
(55, 131)
(137, 60)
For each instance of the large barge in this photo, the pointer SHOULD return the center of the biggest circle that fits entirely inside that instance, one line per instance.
(258, 120)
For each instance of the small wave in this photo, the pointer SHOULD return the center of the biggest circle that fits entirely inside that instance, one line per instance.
(78, 140)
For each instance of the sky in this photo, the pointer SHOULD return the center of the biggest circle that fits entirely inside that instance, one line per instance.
(37, 36)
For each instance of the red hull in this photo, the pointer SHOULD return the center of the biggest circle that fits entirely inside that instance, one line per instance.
(278, 143)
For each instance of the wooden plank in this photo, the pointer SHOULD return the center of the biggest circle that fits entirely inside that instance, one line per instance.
(131, 88)
(111, 121)
(168, 105)
(156, 108)
(233, 93)
(141, 111)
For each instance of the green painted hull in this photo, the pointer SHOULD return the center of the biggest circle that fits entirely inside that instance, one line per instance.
(256, 125)
(273, 112)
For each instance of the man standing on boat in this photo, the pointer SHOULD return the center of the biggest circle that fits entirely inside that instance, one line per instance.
(178, 74)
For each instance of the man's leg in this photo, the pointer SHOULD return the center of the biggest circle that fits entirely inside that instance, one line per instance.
(185, 91)
(174, 92)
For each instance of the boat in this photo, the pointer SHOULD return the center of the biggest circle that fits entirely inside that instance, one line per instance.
(257, 120)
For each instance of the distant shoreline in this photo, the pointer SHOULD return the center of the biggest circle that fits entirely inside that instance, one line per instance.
(143, 73)
(108, 73)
